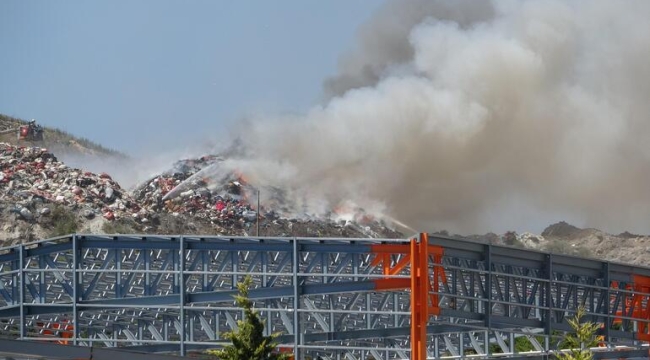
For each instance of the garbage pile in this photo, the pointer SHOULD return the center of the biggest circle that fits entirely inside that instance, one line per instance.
(185, 199)
(228, 203)
(32, 180)
(224, 203)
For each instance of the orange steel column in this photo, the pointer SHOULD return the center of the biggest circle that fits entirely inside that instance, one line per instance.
(640, 305)
(419, 298)
(439, 276)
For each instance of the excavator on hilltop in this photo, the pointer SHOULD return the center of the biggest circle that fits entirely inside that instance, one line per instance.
(30, 132)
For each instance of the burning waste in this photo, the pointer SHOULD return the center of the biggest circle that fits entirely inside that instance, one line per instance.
(181, 200)
(210, 192)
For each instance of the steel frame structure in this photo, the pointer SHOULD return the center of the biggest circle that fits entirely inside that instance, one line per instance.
(329, 298)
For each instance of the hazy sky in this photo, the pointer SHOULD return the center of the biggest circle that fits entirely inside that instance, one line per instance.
(160, 74)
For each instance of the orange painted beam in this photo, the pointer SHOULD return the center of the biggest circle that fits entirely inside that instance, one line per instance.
(639, 305)
(389, 248)
(400, 265)
(425, 286)
(419, 298)
(392, 284)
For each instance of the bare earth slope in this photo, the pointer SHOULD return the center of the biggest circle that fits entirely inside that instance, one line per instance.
(564, 238)
(56, 140)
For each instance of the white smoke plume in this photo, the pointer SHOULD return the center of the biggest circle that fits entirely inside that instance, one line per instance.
(475, 116)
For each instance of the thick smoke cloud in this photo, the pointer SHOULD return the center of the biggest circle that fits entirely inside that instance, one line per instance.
(475, 116)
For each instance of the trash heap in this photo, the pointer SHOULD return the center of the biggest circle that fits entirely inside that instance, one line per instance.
(34, 186)
(181, 191)
(32, 180)
(227, 203)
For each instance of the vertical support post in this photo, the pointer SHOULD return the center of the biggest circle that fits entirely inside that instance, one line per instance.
(368, 315)
(205, 261)
(438, 273)
(487, 295)
(549, 298)
(116, 329)
(419, 292)
(258, 212)
(118, 273)
(607, 321)
(191, 327)
(21, 299)
(75, 289)
(166, 328)
(395, 309)
(15, 279)
(234, 258)
(486, 342)
(42, 286)
(217, 332)
(296, 301)
(267, 304)
(181, 276)
(147, 275)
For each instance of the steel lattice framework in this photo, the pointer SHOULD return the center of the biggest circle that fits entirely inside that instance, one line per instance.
(333, 298)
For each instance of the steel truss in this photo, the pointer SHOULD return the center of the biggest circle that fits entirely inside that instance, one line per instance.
(329, 298)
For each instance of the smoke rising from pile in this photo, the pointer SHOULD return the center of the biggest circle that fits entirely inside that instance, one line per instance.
(475, 116)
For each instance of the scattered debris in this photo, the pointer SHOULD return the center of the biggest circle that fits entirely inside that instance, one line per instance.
(228, 205)
(31, 178)
(33, 181)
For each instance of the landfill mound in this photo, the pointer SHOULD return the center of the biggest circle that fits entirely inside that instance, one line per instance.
(37, 192)
(227, 204)
(42, 197)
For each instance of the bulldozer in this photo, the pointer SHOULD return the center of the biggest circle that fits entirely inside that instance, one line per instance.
(30, 132)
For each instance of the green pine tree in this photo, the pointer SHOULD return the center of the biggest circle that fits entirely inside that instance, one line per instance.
(581, 340)
(248, 341)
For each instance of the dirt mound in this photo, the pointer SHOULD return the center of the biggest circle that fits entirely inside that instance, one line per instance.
(561, 229)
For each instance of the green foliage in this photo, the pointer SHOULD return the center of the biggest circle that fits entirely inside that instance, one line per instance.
(63, 221)
(522, 344)
(248, 341)
(581, 340)
(558, 246)
(118, 227)
(495, 349)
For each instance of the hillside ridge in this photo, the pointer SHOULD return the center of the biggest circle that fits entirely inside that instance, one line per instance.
(57, 140)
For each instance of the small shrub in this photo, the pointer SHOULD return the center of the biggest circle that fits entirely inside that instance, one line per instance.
(581, 339)
(63, 222)
(248, 341)
(561, 247)
(118, 227)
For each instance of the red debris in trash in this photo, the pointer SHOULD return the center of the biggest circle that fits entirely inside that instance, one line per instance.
(109, 215)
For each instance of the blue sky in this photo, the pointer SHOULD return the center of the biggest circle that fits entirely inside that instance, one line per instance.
(155, 74)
